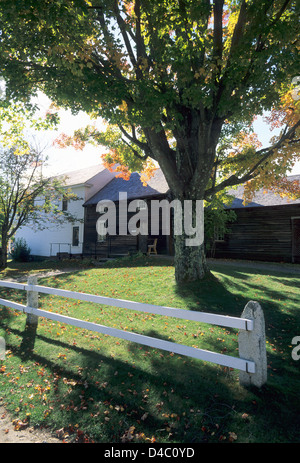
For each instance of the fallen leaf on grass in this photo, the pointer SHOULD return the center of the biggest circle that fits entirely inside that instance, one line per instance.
(128, 435)
(19, 424)
(232, 436)
(119, 408)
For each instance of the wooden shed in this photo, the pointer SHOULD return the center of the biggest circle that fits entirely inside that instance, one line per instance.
(266, 229)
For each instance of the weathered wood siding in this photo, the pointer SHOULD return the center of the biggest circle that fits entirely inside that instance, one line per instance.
(261, 233)
(113, 244)
(296, 240)
(120, 244)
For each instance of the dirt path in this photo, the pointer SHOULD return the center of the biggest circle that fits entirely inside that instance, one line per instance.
(10, 435)
(43, 274)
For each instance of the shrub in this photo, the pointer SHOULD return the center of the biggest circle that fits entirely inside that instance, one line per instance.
(20, 251)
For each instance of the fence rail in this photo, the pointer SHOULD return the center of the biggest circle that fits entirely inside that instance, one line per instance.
(250, 365)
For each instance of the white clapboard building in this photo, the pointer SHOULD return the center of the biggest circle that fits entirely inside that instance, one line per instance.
(55, 239)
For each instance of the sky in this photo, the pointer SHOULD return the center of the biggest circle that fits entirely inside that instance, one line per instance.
(62, 160)
(68, 159)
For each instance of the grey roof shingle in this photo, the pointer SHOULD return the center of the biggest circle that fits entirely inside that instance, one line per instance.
(157, 185)
(134, 188)
(262, 197)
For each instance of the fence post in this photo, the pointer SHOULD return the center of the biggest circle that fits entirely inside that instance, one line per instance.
(2, 348)
(31, 319)
(32, 301)
(252, 346)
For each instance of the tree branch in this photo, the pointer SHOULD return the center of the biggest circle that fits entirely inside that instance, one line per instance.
(140, 45)
(144, 146)
(122, 27)
(143, 158)
(218, 28)
(252, 173)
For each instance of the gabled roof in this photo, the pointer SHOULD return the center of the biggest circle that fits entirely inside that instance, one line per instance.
(262, 197)
(157, 185)
(81, 176)
(134, 188)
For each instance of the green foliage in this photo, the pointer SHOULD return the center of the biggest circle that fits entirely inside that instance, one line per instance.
(17, 120)
(172, 76)
(216, 225)
(181, 68)
(217, 219)
(20, 251)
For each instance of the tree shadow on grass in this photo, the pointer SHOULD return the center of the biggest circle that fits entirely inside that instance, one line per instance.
(173, 398)
(222, 295)
(210, 294)
(159, 394)
(152, 394)
(5, 315)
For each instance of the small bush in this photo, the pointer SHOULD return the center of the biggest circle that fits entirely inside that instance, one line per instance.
(21, 251)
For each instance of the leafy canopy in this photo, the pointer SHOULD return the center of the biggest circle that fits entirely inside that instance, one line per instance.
(177, 80)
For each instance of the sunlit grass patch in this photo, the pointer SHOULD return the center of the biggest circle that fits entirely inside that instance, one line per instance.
(95, 387)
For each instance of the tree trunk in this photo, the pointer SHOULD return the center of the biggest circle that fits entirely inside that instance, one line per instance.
(190, 262)
(188, 174)
(190, 259)
(3, 255)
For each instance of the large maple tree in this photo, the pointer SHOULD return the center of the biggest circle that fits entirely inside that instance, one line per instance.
(179, 82)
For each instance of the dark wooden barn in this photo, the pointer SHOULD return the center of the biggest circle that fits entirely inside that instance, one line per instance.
(106, 245)
(266, 229)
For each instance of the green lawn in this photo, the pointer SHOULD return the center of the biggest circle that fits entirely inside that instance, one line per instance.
(93, 387)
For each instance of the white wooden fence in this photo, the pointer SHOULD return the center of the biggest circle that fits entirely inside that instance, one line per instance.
(252, 364)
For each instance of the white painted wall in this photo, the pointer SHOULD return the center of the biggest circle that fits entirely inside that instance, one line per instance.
(45, 242)
(42, 242)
